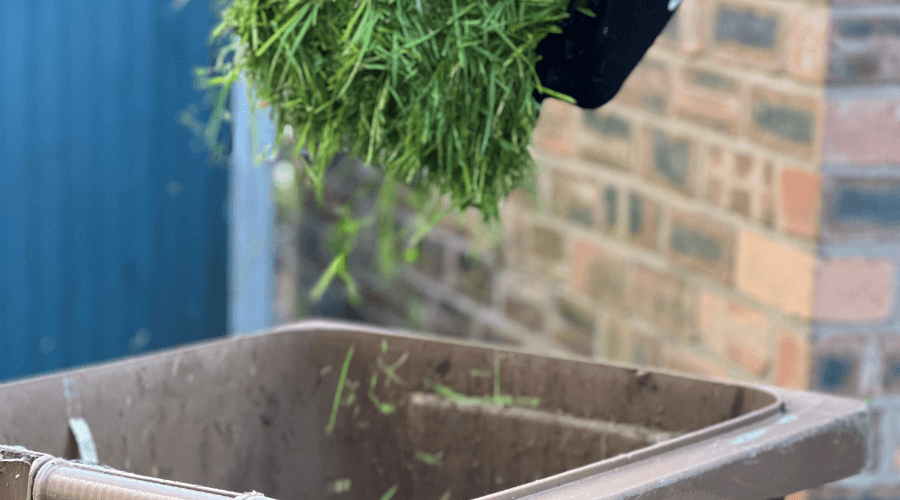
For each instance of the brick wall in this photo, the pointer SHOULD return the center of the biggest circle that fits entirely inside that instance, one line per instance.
(734, 212)
(855, 334)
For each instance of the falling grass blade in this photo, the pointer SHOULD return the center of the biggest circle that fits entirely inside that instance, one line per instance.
(419, 41)
(533, 402)
(366, 41)
(439, 107)
(394, 60)
(310, 20)
(363, 8)
(487, 129)
(389, 494)
(279, 31)
(485, 53)
(433, 459)
(456, 28)
(254, 32)
(319, 290)
(496, 375)
(462, 163)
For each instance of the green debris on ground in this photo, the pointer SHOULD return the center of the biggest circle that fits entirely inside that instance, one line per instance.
(350, 387)
(384, 407)
(391, 370)
(433, 459)
(340, 389)
(389, 494)
(497, 398)
(340, 486)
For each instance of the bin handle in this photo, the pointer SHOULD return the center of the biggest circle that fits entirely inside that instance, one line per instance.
(58, 479)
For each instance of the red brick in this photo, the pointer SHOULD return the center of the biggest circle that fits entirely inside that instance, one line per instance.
(576, 314)
(556, 127)
(807, 35)
(718, 162)
(890, 357)
(691, 363)
(837, 364)
(744, 40)
(663, 299)
(574, 340)
(792, 360)
(691, 17)
(547, 242)
(671, 34)
(708, 98)
(860, 209)
(464, 224)
(643, 220)
(648, 86)
(575, 198)
(548, 251)
(612, 199)
(475, 278)
(800, 197)
(775, 273)
(845, 3)
(495, 337)
(735, 331)
(608, 139)
(786, 122)
(855, 291)
(740, 182)
(616, 336)
(646, 350)
(861, 130)
(669, 159)
(525, 312)
(450, 321)
(431, 258)
(599, 274)
(701, 245)
(515, 245)
(863, 48)
(523, 199)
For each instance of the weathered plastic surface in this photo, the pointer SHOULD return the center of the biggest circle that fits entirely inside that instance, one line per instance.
(254, 414)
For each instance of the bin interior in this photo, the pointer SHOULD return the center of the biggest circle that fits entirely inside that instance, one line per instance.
(414, 417)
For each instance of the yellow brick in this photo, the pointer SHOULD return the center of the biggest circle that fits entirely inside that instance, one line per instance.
(775, 273)
(735, 332)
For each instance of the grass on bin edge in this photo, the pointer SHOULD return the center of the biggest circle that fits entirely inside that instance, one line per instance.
(433, 459)
(446, 392)
(389, 494)
(338, 393)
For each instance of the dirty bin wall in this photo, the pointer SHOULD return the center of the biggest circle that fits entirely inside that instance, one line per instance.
(731, 213)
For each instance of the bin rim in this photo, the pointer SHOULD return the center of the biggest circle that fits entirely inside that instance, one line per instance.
(815, 427)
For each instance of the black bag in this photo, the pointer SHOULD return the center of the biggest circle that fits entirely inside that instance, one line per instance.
(593, 56)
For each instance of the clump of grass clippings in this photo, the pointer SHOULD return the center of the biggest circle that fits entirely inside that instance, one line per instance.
(437, 94)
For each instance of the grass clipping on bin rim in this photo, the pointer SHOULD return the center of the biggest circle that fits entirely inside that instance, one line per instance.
(436, 93)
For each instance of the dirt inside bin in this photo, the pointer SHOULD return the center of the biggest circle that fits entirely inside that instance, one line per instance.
(406, 431)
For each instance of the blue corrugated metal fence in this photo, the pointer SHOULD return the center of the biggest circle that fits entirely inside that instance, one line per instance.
(112, 216)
